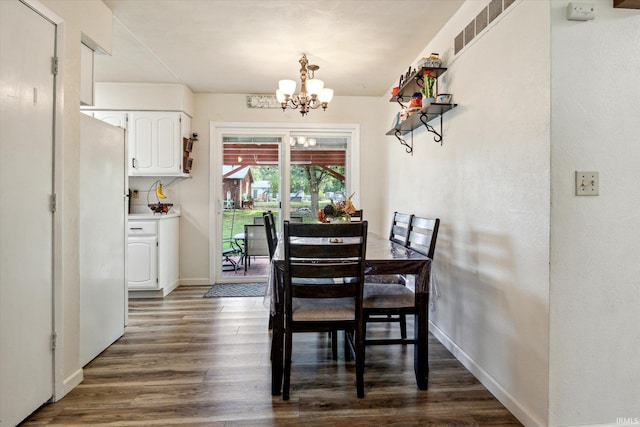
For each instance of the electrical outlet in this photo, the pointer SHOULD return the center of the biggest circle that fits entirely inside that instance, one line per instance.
(587, 183)
(134, 194)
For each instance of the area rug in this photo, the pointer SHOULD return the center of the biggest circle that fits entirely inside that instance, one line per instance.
(256, 289)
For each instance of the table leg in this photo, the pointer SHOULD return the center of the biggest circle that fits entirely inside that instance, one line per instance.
(277, 348)
(421, 335)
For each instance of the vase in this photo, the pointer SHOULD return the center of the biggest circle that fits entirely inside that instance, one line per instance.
(339, 219)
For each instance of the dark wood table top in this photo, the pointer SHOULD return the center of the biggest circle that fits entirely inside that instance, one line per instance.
(386, 257)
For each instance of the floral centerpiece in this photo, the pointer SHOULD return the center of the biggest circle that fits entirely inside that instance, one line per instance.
(340, 211)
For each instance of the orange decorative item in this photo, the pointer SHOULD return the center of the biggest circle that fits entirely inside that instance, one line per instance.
(416, 103)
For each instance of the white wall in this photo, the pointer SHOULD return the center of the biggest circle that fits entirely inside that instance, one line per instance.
(489, 184)
(595, 243)
(194, 193)
(144, 96)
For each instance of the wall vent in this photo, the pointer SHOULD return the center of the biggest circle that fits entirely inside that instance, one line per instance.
(480, 23)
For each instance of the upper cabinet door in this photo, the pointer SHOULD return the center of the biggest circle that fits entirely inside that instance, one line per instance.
(155, 143)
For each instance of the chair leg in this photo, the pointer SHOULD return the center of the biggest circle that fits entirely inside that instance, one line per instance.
(347, 346)
(334, 344)
(403, 326)
(360, 356)
(287, 365)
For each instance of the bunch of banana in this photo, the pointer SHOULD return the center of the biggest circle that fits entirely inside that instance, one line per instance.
(159, 192)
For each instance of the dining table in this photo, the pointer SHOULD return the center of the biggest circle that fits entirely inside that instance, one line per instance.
(382, 257)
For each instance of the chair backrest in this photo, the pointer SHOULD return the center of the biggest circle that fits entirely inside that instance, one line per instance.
(295, 218)
(255, 240)
(309, 254)
(423, 235)
(358, 215)
(270, 230)
(400, 228)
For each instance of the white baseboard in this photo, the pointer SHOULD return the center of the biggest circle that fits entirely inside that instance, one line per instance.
(521, 413)
(198, 281)
(71, 382)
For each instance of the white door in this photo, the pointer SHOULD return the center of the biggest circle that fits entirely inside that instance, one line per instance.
(103, 218)
(27, 45)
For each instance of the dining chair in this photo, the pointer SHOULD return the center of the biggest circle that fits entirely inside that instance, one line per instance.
(396, 299)
(399, 233)
(271, 233)
(400, 225)
(358, 215)
(230, 248)
(322, 252)
(255, 243)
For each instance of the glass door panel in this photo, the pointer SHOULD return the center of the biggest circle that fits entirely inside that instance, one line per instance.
(318, 173)
(250, 187)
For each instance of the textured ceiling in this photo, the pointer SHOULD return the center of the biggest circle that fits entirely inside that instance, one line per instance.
(246, 46)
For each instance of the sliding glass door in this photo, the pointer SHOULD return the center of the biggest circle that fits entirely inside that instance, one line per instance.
(290, 172)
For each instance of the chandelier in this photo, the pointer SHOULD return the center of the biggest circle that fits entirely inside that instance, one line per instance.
(312, 94)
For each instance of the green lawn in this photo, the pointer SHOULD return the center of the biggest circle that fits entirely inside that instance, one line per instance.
(239, 217)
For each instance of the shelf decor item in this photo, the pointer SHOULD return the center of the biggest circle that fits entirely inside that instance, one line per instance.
(336, 212)
(416, 103)
(433, 61)
(443, 98)
(429, 80)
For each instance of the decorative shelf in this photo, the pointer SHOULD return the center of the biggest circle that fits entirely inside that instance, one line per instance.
(412, 84)
(423, 117)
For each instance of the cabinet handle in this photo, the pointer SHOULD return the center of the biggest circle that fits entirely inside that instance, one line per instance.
(133, 162)
(135, 228)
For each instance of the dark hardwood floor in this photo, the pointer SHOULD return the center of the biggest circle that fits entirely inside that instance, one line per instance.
(188, 360)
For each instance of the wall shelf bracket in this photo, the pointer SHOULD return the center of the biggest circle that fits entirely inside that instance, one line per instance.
(408, 147)
(424, 118)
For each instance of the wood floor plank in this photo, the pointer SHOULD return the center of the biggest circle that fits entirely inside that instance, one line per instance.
(192, 361)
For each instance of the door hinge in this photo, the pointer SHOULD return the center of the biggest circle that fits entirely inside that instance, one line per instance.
(54, 65)
(52, 203)
(54, 340)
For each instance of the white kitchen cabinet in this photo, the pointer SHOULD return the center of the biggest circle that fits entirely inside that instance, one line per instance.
(155, 142)
(153, 257)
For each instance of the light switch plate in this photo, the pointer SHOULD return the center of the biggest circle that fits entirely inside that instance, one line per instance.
(587, 183)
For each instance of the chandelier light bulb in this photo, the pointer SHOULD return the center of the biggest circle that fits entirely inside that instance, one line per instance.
(280, 96)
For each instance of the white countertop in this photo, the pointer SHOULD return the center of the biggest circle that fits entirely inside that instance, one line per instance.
(150, 215)
(139, 213)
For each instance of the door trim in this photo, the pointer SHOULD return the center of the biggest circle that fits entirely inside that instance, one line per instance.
(280, 129)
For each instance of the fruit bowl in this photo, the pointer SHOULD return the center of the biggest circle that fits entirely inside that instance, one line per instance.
(161, 208)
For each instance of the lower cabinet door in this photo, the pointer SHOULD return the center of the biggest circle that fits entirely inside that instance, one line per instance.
(143, 262)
